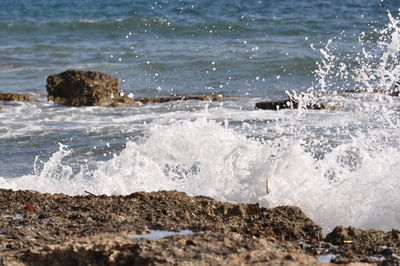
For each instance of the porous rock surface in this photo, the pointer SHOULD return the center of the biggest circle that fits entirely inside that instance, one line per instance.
(217, 247)
(85, 88)
(372, 243)
(44, 229)
(15, 97)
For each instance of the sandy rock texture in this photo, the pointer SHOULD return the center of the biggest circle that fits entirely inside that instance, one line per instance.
(15, 97)
(85, 88)
(44, 229)
(211, 247)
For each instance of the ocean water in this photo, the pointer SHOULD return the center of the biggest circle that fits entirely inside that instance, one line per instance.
(341, 167)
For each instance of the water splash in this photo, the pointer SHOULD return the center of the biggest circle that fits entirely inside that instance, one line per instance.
(353, 184)
(372, 66)
(339, 167)
(200, 157)
(52, 176)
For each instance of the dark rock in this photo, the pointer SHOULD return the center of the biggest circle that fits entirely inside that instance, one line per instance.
(392, 92)
(277, 105)
(396, 89)
(293, 104)
(85, 88)
(163, 99)
(364, 241)
(15, 97)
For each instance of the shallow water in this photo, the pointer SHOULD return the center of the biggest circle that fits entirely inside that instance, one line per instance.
(340, 167)
(158, 234)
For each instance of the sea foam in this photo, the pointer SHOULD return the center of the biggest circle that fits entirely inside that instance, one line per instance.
(352, 185)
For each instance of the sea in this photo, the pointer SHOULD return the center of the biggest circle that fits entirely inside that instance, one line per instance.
(341, 167)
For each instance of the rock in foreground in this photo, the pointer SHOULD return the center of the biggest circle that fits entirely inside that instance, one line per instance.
(15, 97)
(85, 88)
(211, 247)
(43, 229)
(367, 242)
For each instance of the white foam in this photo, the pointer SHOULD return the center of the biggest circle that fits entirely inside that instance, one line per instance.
(200, 157)
(350, 186)
(354, 184)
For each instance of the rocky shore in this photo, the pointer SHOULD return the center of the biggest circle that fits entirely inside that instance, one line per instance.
(78, 88)
(44, 229)
(89, 88)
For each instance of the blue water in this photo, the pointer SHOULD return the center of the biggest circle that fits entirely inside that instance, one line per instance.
(172, 44)
(340, 167)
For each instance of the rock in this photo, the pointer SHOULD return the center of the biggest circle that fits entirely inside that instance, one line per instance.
(219, 247)
(100, 230)
(86, 88)
(368, 246)
(170, 210)
(364, 241)
(396, 87)
(293, 104)
(15, 97)
(163, 99)
(58, 218)
(277, 105)
(393, 92)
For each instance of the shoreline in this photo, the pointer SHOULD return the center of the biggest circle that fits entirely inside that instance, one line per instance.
(38, 229)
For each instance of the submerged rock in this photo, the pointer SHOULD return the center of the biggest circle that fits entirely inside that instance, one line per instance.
(393, 92)
(277, 105)
(163, 99)
(16, 97)
(293, 104)
(86, 88)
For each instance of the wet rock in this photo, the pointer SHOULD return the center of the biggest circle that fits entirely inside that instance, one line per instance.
(60, 217)
(163, 99)
(167, 210)
(86, 88)
(277, 105)
(100, 230)
(392, 92)
(365, 241)
(221, 247)
(396, 88)
(15, 97)
(293, 104)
